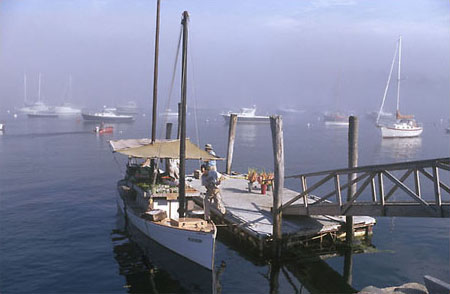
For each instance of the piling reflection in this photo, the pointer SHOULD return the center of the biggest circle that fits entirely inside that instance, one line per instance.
(151, 268)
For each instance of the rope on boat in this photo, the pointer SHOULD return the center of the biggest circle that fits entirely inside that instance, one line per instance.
(190, 56)
(172, 82)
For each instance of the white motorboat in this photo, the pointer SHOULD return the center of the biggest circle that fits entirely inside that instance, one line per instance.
(129, 108)
(161, 207)
(405, 126)
(335, 119)
(2, 127)
(106, 116)
(247, 115)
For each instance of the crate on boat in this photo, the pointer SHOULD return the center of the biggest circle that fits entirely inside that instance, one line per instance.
(155, 215)
(189, 223)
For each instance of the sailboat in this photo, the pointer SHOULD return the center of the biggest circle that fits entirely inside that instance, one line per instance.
(67, 108)
(405, 126)
(160, 205)
(36, 107)
(336, 118)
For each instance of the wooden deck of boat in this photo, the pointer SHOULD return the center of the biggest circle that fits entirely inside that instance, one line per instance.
(251, 213)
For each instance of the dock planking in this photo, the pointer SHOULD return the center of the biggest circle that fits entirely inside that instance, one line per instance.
(250, 213)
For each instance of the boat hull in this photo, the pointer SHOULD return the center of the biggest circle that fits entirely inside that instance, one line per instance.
(92, 117)
(389, 132)
(336, 123)
(248, 119)
(42, 115)
(196, 246)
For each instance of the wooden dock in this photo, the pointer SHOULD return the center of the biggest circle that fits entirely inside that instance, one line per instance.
(250, 219)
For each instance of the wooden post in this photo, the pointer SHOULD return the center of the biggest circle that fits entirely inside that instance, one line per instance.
(231, 136)
(352, 162)
(276, 124)
(168, 135)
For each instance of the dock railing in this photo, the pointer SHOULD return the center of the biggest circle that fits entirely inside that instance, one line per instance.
(370, 199)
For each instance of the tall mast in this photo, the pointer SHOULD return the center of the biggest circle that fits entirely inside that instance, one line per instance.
(398, 74)
(25, 98)
(387, 84)
(155, 74)
(182, 187)
(39, 88)
(70, 88)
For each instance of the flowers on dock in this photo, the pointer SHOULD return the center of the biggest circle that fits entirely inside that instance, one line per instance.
(252, 175)
(262, 177)
(266, 178)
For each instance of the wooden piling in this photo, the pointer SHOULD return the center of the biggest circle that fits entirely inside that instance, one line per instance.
(231, 137)
(352, 162)
(276, 125)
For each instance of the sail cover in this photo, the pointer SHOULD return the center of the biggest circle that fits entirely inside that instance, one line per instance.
(143, 148)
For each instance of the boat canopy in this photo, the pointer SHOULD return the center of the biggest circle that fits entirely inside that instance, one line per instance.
(144, 148)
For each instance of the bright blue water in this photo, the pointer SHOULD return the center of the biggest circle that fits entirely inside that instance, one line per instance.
(60, 231)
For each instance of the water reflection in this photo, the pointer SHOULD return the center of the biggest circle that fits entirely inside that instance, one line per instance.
(400, 148)
(150, 267)
(247, 133)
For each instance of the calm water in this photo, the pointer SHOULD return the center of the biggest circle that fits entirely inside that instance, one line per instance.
(60, 230)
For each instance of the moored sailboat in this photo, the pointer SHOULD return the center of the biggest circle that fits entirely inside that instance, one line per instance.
(159, 205)
(405, 126)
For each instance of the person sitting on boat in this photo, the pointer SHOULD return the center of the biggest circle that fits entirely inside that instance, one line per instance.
(211, 180)
(146, 163)
(211, 164)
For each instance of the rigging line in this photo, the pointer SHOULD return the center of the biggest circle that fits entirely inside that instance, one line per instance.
(190, 56)
(171, 87)
(172, 82)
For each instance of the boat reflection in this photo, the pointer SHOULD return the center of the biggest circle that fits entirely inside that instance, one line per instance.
(247, 133)
(151, 268)
(400, 148)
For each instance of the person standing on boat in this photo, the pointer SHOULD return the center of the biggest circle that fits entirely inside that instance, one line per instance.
(211, 164)
(211, 180)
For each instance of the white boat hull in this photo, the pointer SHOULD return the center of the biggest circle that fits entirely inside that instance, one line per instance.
(391, 132)
(107, 118)
(196, 246)
(248, 119)
(336, 123)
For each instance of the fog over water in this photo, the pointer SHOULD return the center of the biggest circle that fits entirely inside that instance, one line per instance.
(315, 55)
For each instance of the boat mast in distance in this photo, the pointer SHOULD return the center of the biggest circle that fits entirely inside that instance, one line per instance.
(182, 184)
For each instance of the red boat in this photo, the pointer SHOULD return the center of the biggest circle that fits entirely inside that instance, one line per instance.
(103, 130)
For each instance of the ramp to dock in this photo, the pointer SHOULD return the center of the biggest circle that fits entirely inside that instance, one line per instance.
(251, 212)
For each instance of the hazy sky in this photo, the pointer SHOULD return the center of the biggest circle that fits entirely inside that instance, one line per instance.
(317, 55)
